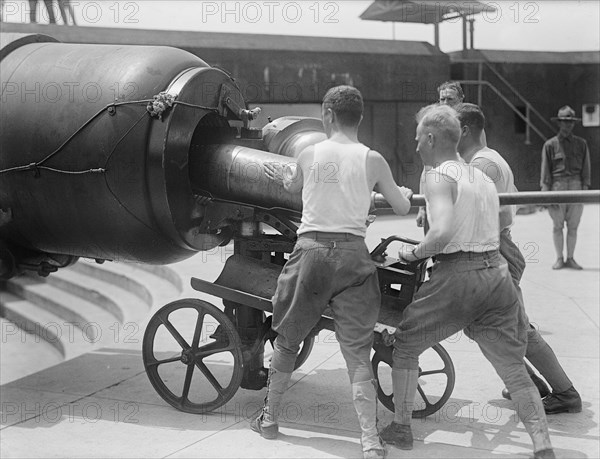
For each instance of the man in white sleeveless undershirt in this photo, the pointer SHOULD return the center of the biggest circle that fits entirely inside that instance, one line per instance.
(449, 93)
(330, 265)
(470, 287)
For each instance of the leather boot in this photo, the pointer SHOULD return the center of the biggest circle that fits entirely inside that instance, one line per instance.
(531, 413)
(568, 401)
(364, 396)
(266, 423)
(399, 433)
(542, 387)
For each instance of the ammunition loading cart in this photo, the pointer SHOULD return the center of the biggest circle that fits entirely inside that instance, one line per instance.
(211, 353)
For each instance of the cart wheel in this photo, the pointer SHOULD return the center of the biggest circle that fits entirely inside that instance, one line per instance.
(305, 348)
(438, 383)
(170, 359)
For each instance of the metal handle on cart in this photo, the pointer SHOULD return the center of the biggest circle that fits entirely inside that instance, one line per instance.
(378, 253)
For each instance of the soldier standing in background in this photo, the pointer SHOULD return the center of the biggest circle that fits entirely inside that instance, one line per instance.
(565, 166)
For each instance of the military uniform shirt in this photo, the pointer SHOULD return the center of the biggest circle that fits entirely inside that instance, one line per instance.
(565, 157)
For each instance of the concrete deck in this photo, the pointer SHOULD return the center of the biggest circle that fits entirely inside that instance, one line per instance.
(101, 404)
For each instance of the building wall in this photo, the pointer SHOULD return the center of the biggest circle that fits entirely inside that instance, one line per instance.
(304, 77)
(547, 86)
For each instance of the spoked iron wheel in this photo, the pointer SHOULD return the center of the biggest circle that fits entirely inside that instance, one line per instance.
(303, 354)
(192, 355)
(436, 380)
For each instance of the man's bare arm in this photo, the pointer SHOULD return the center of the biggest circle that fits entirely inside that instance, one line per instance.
(440, 196)
(493, 173)
(546, 173)
(381, 174)
(422, 215)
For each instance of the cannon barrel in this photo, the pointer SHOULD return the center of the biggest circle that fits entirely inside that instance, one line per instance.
(109, 152)
(124, 153)
(85, 169)
(97, 142)
(523, 197)
(235, 173)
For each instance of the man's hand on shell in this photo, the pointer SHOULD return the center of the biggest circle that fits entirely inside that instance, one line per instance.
(274, 171)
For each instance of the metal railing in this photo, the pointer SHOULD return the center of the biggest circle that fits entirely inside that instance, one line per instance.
(529, 108)
(528, 123)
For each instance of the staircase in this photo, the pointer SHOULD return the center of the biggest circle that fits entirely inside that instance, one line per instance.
(77, 309)
(487, 76)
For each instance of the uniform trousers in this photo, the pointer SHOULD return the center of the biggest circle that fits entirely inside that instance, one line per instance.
(538, 352)
(471, 292)
(566, 213)
(324, 270)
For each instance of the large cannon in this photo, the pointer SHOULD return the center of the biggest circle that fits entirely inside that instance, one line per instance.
(143, 154)
(118, 153)
(146, 154)
(133, 153)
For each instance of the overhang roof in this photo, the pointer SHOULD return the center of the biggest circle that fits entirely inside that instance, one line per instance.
(527, 57)
(423, 11)
(243, 42)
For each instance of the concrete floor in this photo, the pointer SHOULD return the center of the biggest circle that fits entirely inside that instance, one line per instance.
(101, 404)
